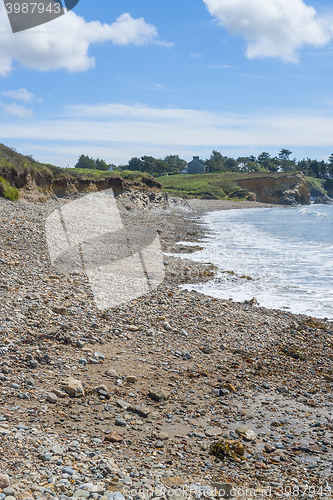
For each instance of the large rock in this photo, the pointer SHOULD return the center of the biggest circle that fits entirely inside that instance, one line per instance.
(158, 394)
(73, 387)
(114, 437)
(246, 433)
(213, 431)
(4, 481)
(323, 200)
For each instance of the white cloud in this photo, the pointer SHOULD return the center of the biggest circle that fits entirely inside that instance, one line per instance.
(272, 28)
(64, 42)
(19, 95)
(219, 66)
(192, 54)
(17, 110)
(121, 131)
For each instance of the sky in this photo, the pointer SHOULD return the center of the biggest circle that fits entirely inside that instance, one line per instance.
(116, 79)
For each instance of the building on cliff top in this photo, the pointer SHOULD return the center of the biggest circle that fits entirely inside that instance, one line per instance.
(194, 167)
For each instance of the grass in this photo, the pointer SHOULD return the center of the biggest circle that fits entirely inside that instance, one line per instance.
(219, 186)
(7, 191)
(316, 183)
(13, 166)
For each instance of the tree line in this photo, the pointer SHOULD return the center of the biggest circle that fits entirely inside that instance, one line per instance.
(173, 164)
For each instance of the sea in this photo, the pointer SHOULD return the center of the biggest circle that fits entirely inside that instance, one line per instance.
(282, 256)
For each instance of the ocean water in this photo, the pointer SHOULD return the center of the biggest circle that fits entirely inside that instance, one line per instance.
(287, 253)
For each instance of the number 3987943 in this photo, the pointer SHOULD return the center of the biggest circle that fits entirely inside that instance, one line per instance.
(33, 8)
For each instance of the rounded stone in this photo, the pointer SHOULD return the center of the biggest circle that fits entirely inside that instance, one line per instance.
(4, 481)
(51, 397)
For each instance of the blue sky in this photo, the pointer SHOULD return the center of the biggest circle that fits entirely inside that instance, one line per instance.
(118, 79)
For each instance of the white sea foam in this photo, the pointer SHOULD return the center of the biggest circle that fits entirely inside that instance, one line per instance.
(288, 253)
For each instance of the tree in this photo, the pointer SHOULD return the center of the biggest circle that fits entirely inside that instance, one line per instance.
(284, 154)
(101, 165)
(330, 166)
(215, 163)
(283, 161)
(304, 166)
(85, 162)
(314, 168)
(231, 165)
(268, 163)
(135, 164)
(323, 170)
(174, 163)
(153, 165)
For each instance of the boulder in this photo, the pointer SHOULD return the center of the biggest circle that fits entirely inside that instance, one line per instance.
(73, 387)
(158, 394)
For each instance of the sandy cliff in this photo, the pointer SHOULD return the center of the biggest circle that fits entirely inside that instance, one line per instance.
(286, 190)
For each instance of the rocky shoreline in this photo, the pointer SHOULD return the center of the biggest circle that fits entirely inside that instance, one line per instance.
(174, 390)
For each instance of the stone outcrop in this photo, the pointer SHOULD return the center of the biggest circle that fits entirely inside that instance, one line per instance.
(318, 196)
(323, 200)
(283, 190)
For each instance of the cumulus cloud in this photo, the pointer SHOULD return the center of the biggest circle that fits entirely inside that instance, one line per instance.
(64, 42)
(17, 110)
(18, 95)
(272, 28)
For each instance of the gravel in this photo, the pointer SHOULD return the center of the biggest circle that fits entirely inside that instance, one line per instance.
(189, 371)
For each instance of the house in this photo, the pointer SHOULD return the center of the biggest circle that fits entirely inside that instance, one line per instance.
(194, 167)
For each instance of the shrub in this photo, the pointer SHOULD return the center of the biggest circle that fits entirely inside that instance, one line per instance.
(7, 191)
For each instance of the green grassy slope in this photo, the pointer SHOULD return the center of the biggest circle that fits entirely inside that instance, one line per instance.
(216, 185)
(16, 169)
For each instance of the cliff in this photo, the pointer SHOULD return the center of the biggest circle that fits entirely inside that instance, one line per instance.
(283, 190)
(38, 182)
(318, 192)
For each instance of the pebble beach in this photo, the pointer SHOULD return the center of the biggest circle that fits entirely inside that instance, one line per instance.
(175, 395)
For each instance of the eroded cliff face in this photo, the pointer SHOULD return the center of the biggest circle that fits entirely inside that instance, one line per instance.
(283, 190)
(35, 186)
